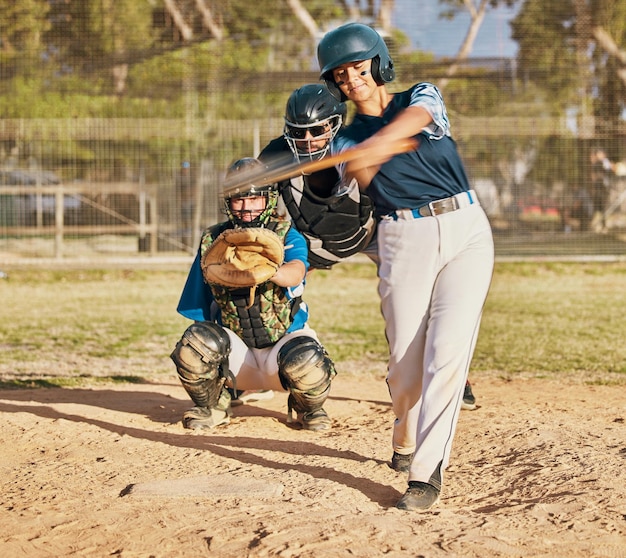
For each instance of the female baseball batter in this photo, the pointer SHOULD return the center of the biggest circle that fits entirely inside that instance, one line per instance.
(435, 249)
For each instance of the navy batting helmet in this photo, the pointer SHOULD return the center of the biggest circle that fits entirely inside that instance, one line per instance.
(354, 42)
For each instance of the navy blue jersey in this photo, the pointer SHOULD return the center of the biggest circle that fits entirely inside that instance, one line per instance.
(410, 180)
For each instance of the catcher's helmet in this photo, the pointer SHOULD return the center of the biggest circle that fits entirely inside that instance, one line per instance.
(249, 167)
(312, 109)
(354, 42)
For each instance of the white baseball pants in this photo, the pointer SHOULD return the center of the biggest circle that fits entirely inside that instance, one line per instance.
(434, 275)
(258, 368)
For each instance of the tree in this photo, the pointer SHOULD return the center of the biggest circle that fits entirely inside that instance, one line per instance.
(608, 32)
(477, 13)
(22, 26)
(574, 51)
(89, 35)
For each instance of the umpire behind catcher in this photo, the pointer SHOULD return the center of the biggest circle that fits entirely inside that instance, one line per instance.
(336, 220)
(251, 338)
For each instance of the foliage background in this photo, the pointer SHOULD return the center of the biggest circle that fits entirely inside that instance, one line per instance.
(124, 91)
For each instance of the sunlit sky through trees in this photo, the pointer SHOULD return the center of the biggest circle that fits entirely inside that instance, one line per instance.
(444, 37)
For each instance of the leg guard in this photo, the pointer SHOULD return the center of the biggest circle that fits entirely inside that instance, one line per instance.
(306, 370)
(201, 359)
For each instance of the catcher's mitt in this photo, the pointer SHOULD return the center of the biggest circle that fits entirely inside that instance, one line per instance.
(243, 257)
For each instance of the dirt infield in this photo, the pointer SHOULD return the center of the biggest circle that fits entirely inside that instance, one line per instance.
(536, 470)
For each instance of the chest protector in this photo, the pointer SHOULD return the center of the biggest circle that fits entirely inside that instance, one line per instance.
(265, 319)
(334, 226)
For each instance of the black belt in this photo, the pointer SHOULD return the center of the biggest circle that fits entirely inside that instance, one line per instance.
(437, 207)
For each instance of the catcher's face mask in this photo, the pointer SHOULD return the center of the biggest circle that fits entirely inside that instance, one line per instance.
(251, 205)
(247, 209)
(252, 209)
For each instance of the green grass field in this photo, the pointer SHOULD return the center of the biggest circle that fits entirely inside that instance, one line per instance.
(75, 327)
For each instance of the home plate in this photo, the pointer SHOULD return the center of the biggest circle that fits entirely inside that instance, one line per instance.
(218, 486)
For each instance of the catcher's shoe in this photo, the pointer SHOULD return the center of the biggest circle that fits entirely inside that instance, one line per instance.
(401, 463)
(312, 420)
(315, 420)
(203, 418)
(469, 401)
(419, 496)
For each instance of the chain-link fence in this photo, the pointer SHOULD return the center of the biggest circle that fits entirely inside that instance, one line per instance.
(142, 177)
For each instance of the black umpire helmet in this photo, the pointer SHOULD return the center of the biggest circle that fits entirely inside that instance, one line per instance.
(354, 42)
(313, 109)
(311, 104)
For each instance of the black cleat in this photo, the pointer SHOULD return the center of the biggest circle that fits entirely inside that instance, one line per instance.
(419, 496)
(469, 401)
(401, 463)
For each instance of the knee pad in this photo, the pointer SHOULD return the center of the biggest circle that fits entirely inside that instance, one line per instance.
(305, 370)
(202, 351)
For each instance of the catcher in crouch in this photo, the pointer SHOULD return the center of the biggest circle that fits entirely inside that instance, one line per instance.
(250, 332)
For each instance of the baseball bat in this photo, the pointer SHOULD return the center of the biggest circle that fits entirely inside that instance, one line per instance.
(283, 168)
